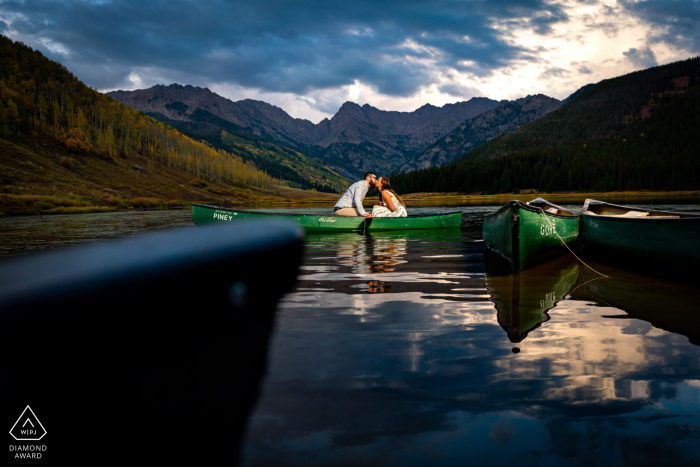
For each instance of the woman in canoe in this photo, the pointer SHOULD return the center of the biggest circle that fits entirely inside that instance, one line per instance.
(391, 204)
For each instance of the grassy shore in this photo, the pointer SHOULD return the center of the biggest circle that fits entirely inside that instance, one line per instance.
(39, 176)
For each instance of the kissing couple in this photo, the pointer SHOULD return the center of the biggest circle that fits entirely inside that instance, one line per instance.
(390, 204)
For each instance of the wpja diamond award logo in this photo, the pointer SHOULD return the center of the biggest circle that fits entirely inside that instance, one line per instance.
(28, 428)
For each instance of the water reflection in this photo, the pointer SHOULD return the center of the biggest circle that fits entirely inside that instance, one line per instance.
(523, 299)
(670, 306)
(392, 351)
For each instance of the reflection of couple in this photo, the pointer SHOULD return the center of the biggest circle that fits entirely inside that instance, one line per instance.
(390, 204)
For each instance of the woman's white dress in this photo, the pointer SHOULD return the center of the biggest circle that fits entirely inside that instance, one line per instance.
(383, 211)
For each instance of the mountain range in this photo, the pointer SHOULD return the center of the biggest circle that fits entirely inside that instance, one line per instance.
(474, 132)
(356, 139)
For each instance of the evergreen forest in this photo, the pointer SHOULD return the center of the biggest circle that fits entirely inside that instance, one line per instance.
(635, 132)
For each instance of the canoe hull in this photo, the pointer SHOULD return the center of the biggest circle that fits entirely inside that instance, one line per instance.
(204, 215)
(524, 236)
(181, 338)
(653, 242)
(435, 221)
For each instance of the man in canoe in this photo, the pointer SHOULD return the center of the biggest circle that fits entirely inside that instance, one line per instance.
(350, 204)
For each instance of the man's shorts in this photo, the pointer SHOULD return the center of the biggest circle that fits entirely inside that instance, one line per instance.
(348, 212)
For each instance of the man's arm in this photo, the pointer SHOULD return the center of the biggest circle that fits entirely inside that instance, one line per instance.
(358, 197)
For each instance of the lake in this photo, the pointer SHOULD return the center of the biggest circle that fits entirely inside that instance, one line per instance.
(408, 348)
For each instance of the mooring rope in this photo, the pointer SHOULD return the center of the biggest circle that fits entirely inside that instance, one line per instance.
(554, 229)
(582, 262)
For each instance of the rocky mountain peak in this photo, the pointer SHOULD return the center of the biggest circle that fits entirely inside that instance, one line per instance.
(356, 138)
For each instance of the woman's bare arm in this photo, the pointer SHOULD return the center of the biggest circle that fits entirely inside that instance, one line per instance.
(387, 200)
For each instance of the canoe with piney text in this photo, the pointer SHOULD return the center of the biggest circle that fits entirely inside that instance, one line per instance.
(524, 234)
(203, 214)
(640, 236)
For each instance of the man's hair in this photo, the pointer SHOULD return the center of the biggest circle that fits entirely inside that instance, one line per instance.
(367, 174)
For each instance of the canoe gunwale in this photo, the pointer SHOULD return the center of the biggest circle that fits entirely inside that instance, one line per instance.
(556, 206)
(688, 217)
(643, 220)
(208, 206)
(527, 207)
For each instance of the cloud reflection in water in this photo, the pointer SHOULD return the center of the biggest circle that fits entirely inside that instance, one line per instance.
(423, 372)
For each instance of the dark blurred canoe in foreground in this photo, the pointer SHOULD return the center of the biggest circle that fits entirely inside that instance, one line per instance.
(524, 234)
(203, 214)
(524, 298)
(641, 237)
(144, 348)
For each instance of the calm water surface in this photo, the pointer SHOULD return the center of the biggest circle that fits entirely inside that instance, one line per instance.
(21, 235)
(407, 348)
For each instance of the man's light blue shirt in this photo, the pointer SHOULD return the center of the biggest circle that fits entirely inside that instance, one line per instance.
(353, 197)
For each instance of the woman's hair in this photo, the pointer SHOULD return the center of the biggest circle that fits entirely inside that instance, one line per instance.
(386, 186)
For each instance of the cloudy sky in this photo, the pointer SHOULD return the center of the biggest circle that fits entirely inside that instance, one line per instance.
(310, 57)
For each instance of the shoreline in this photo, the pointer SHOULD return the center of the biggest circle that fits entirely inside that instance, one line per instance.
(583, 195)
(432, 198)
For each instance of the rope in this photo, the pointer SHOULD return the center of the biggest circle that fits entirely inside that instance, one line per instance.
(564, 243)
(582, 262)
(584, 284)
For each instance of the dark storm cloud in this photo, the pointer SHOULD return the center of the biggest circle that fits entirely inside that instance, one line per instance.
(641, 58)
(287, 46)
(542, 24)
(678, 21)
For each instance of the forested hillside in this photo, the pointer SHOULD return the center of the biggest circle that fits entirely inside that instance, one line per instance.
(634, 132)
(300, 170)
(40, 98)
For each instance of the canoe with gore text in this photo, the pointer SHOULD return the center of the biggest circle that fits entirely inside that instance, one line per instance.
(524, 234)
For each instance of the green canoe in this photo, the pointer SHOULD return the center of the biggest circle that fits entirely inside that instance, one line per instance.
(203, 214)
(523, 299)
(641, 236)
(524, 234)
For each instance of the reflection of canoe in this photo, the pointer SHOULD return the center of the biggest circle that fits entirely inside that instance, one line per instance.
(203, 214)
(526, 233)
(641, 236)
(668, 306)
(159, 340)
(522, 299)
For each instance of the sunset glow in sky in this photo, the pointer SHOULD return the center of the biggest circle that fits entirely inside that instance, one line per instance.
(310, 57)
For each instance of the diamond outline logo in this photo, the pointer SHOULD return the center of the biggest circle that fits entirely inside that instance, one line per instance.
(28, 419)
